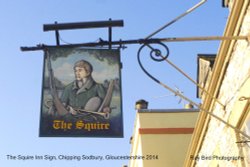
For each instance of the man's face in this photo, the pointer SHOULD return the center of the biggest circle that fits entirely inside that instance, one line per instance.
(80, 73)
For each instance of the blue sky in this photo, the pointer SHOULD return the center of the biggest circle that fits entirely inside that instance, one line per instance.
(21, 72)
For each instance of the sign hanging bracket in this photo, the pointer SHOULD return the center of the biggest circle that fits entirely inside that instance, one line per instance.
(84, 25)
(57, 36)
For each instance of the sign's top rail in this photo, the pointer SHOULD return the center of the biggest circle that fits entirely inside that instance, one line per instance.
(83, 25)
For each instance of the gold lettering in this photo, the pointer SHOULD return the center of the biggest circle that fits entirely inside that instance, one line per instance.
(87, 127)
(106, 126)
(79, 124)
(59, 124)
(56, 124)
(92, 126)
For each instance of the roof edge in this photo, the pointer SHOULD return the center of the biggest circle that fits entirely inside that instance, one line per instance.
(167, 110)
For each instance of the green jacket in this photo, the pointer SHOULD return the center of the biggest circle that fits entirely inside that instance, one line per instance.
(78, 97)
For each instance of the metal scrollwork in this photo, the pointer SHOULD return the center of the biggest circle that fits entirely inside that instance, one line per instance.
(155, 54)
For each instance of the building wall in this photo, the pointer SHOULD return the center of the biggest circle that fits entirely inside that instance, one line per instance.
(162, 137)
(219, 140)
(230, 3)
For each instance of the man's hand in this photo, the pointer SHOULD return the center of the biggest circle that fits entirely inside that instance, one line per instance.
(71, 110)
(106, 110)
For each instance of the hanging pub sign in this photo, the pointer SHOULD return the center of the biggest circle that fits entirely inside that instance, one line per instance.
(81, 93)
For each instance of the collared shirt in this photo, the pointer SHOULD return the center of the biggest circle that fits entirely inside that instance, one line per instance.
(78, 97)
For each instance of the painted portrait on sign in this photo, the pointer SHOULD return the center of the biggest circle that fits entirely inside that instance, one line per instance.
(81, 93)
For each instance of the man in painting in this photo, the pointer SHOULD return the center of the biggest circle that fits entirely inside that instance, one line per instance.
(83, 93)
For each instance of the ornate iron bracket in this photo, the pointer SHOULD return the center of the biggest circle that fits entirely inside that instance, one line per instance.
(155, 55)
